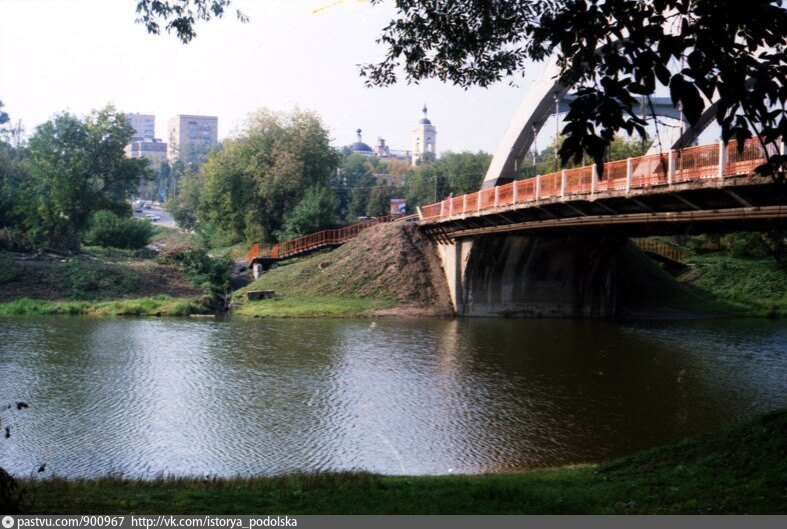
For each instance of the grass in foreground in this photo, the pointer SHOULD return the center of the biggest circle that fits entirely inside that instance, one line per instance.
(155, 306)
(309, 307)
(739, 470)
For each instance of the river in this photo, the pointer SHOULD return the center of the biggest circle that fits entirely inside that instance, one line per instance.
(146, 397)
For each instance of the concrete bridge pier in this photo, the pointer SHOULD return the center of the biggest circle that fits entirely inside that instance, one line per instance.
(542, 276)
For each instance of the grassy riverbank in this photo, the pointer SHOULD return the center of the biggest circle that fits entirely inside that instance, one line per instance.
(750, 286)
(311, 307)
(712, 282)
(738, 470)
(161, 305)
(178, 280)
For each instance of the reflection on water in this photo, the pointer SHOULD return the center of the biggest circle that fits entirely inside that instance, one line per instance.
(230, 397)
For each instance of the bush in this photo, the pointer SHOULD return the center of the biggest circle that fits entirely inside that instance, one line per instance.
(744, 244)
(107, 229)
(209, 273)
(8, 268)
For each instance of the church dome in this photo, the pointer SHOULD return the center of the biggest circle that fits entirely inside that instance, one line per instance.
(424, 120)
(359, 146)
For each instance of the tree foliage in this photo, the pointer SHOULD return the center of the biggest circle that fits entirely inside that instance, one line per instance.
(263, 173)
(454, 173)
(185, 205)
(611, 53)
(110, 230)
(181, 16)
(317, 211)
(78, 166)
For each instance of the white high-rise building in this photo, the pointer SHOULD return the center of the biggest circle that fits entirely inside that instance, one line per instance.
(144, 126)
(191, 137)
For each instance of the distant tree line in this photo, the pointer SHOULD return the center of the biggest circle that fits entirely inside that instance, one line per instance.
(280, 178)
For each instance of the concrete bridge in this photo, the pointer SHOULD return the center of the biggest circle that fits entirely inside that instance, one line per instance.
(549, 245)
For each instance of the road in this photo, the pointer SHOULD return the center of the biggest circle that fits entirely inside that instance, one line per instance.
(165, 219)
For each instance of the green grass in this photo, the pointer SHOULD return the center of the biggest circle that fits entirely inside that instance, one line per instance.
(749, 285)
(170, 236)
(738, 470)
(155, 306)
(712, 283)
(309, 307)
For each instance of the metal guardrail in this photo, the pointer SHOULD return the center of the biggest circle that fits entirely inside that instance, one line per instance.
(667, 251)
(702, 163)
(320, 239)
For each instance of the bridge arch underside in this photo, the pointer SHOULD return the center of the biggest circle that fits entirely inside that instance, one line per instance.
(521, 275)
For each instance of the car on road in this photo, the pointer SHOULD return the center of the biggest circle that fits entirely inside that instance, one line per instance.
(152, 217)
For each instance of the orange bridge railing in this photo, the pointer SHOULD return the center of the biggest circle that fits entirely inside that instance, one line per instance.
(706, 162)
(314, 241)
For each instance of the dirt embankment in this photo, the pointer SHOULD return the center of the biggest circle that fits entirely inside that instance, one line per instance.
(390, 261)
(82, 277)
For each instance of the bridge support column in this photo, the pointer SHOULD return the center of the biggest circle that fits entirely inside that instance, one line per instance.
(538, 187)
(454, 256)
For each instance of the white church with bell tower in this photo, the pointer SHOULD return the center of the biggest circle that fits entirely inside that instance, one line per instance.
(424, 139)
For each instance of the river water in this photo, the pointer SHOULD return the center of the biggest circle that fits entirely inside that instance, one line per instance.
(145, 397)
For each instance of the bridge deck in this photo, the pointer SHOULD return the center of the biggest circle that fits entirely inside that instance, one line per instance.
(699, 184)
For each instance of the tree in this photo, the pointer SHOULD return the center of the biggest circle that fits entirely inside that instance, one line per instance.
(186, 204)
(547, 161)
(422, 186)
(78, 166)
(379, 200)
(181, 15)
(3, 118)
(317, 211)
(732, 50)
(354, 182)
(463, 172)
(263, 173)
(14, 200)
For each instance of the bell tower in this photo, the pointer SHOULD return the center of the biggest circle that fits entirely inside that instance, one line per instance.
(424, 139)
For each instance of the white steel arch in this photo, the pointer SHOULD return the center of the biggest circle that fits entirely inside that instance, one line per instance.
(536, 107)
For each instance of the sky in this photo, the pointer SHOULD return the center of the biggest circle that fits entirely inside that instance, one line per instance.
(79, 55)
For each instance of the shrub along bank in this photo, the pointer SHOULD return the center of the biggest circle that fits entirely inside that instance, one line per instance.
(734, 471)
